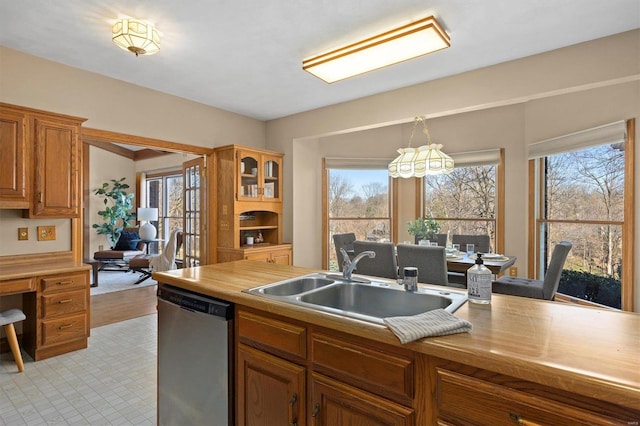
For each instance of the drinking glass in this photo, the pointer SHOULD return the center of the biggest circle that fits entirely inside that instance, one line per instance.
(470, 249)
(456, 247)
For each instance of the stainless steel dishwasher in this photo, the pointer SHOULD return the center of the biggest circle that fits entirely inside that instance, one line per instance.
(194, 354)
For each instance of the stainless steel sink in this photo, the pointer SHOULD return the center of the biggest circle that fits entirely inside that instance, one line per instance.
(296, 286)
(369, 301)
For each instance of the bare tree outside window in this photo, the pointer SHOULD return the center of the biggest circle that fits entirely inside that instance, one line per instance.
(165, 193)
(464, 201)
(359, 203)
(584, 204)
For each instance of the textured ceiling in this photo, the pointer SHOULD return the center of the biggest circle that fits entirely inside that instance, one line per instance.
(245, 56)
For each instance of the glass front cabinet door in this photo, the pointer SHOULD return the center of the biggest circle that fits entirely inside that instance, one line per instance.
(259, 177)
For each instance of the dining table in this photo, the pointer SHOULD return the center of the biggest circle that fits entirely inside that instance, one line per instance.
(497, 265)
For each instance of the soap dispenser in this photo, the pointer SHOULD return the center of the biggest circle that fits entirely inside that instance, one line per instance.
(479, 279)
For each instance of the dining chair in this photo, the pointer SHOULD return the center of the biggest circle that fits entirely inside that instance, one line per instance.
(431, 262)
(481, 243)
(537, 289)
(344, 241)
(384, 265)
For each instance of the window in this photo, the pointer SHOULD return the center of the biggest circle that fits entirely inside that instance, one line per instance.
(580, 197)
(165, 192)
(358, 201)
(466, 200)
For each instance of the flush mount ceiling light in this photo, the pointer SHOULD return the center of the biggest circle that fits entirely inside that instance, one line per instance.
(397, 45)
(421, 161)
(136, 36)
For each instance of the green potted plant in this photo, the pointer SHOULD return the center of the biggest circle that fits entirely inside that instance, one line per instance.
(423, 229)
(118, 210)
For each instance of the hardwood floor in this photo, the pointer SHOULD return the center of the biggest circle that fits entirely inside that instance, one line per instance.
(122, 305)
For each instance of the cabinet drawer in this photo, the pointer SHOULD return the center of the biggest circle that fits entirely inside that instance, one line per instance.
(23, 285)
(284, 337)
(467, 400)
(64, 282)
(62, 303)
(368, 368)
(63, 329)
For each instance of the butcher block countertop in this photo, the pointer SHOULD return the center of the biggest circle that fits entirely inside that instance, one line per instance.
(12, 272)
(587, 351)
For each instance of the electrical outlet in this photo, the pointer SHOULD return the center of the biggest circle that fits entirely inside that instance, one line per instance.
(23, 234)
(46, 233)
(513, 271)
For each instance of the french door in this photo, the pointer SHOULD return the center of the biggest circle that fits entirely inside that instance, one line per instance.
(194, 186)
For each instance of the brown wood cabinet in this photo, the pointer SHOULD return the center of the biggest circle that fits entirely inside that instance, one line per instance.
(259, 175)
(349, 383)
(56, 174)
(273, 390)
(335, 403)
(248, 203)
(351, 380)
(280, 255)
(466, 395)
(57, 315)
(14, 157)
(41, 152)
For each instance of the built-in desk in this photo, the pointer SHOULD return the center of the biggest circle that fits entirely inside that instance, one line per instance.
(56, 301)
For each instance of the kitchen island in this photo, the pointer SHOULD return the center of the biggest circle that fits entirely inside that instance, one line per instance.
(526, 361)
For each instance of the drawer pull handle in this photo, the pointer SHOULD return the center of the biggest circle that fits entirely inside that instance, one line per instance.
(40, 197)
(65, 301)
(520, 421)
(64, 327)
(316, 411)
(294, 398)
(65, 282)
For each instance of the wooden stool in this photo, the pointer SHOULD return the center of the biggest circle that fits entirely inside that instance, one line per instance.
(7, 318)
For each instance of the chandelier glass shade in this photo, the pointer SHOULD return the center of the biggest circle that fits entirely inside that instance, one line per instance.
(136, 36)
(422, 161)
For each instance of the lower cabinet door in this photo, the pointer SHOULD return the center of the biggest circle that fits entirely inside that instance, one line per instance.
(282, 257)
(270, 390)
(335, 403)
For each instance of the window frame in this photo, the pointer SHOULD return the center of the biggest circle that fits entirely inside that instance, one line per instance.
(536, 212)
(162, 217)
(499, 242)
(352, 163)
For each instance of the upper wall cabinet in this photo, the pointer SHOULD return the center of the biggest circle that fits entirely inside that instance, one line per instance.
(14, 156)
(259, 176)
(44, 175)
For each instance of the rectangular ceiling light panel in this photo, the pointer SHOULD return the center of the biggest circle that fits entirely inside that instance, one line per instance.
(400, 44)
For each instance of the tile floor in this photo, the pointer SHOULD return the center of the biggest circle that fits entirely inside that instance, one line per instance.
(112, 382)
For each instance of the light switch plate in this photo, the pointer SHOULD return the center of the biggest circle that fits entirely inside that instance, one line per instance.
(513, 271)
(23, 234)
(46, 233)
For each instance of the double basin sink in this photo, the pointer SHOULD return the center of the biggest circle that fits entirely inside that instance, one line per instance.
(362, 299)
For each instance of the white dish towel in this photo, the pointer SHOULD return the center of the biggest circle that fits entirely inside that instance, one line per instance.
(433, 323)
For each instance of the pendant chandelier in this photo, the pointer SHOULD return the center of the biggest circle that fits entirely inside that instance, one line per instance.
(421, 161)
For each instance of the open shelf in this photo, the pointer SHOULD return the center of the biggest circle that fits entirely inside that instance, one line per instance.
(258, 228)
